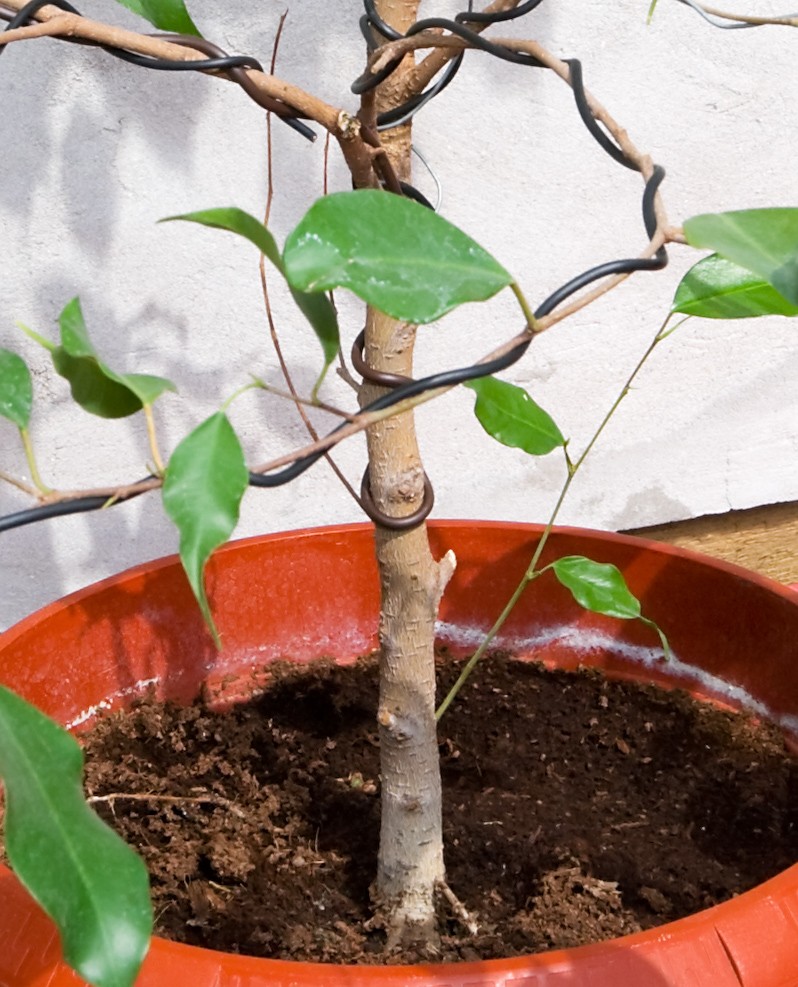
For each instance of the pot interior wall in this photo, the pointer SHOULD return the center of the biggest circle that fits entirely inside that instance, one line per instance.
(302, 596)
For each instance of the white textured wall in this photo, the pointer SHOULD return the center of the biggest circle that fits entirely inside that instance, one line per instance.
(94, 152)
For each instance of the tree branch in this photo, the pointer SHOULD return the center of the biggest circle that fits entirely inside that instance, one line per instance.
(54, 22)
(418, 78)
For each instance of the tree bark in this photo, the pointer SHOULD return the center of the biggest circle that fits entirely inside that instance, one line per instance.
(410, 862)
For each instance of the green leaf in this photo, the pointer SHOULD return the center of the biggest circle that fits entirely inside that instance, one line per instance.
(319, 311)
(601, 588)
(393, 253)
(205, 481)
(597, 586)
(84, 876)
(95, 387)
(510, 415)
(235, 220)
(764, 241)
(652, 7)
(716, 288)
(16, 390)
(166, 15)
(316, 308)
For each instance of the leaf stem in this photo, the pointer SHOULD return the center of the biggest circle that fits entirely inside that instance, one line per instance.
(37, 338)
(40, 485)
(153, 440)
(529, 315)
(532, 571)
(484, 645)
(241, 390)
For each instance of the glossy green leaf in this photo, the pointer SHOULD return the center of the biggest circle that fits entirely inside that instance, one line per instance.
(597, 586)
(764, 241)
(601, 588)
(509, 414)
(393, 253)
(716, 288)
(166, 15)
(16, 390)
(95, 387)
(317, 308)
(319, 311)
(84, 876)
(235, 220)
(205, 481)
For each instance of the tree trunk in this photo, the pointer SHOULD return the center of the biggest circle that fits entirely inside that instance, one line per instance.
(411, 844)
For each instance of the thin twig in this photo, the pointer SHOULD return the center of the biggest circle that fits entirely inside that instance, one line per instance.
(284, 370)
(19, 484)
(111, 493)
(458, 908)
(208, 799)
(319, 405)
(748, 18)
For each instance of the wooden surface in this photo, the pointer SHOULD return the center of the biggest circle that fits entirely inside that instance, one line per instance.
(764, 539)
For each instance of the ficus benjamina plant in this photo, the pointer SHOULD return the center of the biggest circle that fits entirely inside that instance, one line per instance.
(410, 266)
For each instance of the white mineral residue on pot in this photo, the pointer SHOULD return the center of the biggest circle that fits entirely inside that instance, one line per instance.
(587, 641)
(347, 644)
(104, 704)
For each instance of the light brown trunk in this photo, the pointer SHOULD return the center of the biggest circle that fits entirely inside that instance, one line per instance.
(411, 843)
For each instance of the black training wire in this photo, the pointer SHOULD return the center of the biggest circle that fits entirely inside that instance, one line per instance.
(447, 378)
(400, 114)
(80, 505)
(589, 120)
(372, 19)
(369, 81)
(204, 65)
(370, 22)
(223, 63)
(28, 11)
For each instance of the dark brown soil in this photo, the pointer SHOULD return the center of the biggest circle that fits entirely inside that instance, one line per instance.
(576, 809)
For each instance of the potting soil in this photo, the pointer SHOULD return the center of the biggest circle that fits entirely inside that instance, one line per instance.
(575, 809)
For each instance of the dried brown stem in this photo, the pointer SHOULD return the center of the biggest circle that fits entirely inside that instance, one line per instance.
(458, 908)
(299, 403)
(110, 493)
(208, 799)
(750, 19)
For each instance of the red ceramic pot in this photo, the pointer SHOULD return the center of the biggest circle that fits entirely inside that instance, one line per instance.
(309, 593)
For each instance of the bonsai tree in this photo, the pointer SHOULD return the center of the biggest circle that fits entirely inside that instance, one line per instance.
(385, 244)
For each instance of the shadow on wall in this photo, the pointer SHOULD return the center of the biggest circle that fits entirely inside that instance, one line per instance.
(39, 80)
